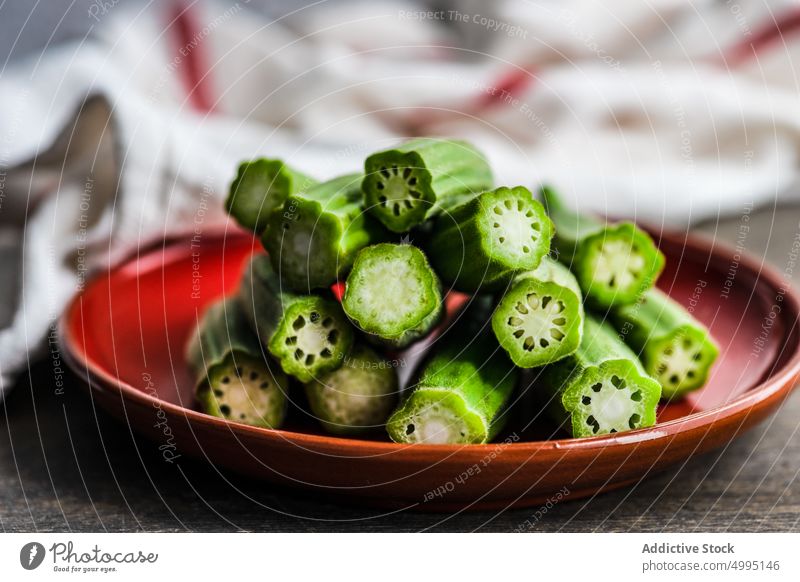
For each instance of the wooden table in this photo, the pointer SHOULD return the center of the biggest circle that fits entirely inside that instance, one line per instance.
(66, 466)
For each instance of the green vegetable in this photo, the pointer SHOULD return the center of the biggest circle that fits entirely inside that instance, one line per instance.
(484, 242)
(392, 294)
(614, 263)
(233, 379)
(307, 334)
(539, 320)
(315, 237)
(463, 390)
(602, 388)
(356, 398)
(675, 348)
(416, 180)
(260, 187)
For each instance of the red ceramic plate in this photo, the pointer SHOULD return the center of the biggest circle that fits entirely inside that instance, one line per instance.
(125, 333)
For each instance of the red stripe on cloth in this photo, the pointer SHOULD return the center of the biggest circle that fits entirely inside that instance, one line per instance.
(507, 86)
(190, 54)
(787, 24)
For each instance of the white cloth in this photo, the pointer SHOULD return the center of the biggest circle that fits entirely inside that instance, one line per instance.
(629, 108)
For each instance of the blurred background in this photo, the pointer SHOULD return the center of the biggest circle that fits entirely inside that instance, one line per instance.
(120, 118)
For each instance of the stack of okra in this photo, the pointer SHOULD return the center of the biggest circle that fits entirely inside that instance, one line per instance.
(425, 217)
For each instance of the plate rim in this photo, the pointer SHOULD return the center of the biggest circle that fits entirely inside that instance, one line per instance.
(778, 385)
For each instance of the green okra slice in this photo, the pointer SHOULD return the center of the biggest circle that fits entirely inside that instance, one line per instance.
(392, 294)
(357, 397)
(614, 263)
(483, 243)
(260, 187)
(539, 319)
(600, 389)
(314, 238)
(405, 185)
(308, 335)
(463, 391)
(234, 380)
(675, 348)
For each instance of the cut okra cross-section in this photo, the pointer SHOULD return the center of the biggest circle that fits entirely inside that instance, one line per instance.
(675, 348)
(392, 294)
(483, 243)
(600, 389)
(463, 391)
(261, 186)
(234, 381)
(314, 238)
(419, 178)
(539, 320)
(308, 334)
(614, 263)
(356, 398)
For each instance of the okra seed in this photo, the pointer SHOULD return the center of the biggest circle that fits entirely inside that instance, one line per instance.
(253, 375)
(309, 359)
(299, 322)
(314, 317)
(508, 204)
(406, 172)
(518, 334)
(412, 181)
(225, 380)
(333, 336)
(560, 321)
(410, 429)
(218, 393)
(586, 400)
(264, 385)
(225, 409)
(385, 173)
(637, 396)
(298, 353)
(543, 342)
(634, 420)
(597, 387)
(291, 340)
(521, 307)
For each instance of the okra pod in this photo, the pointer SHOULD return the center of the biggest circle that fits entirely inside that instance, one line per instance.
(462, 393)
(539, 319)
(483, 243)
(405, 185)
(356, 398)
(600, 389)
(614, 263)
(675, 348)
(392, 294)
(260, 187)
(233, 379)
(307, 334)
(314, 239)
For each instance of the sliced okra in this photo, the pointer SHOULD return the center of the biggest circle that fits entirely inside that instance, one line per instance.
(405, 185)
(614, 263)
(675, 348)
(483, 243)
(539, 319)
(307, 334)
(392, 294)
(234, 379)
(314, 238)
(261, 186)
